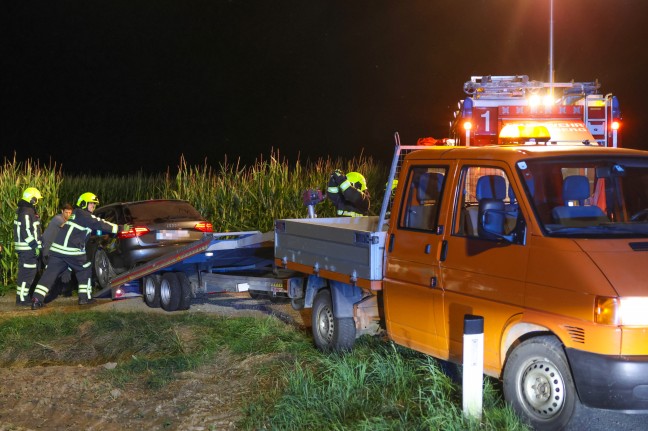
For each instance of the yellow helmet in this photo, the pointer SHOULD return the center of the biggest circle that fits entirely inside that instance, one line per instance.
(32, 195)
(393, 187)
(358, 180)
(86, 199)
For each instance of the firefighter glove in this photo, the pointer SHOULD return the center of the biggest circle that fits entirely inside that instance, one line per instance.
(338, 177)
(126, 227)
(37, 251)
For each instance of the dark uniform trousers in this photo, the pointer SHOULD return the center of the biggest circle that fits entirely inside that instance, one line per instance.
(56, 265)
(27, 268)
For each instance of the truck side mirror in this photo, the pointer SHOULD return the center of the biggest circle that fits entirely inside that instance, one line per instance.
(491, 219)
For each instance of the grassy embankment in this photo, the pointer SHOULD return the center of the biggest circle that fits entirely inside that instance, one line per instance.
(377, 386)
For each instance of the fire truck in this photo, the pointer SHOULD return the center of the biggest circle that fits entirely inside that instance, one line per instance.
(516, 110)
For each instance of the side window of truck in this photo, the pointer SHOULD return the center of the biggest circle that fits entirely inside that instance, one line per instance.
(423, 198)
(489, 188)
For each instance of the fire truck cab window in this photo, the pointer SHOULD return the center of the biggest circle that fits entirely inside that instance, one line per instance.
(423, 198)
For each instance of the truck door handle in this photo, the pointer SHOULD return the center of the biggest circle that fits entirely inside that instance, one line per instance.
(391, 243)
(444, 250)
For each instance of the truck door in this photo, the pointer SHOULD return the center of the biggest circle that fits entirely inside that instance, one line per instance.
(412, 297)
(483, 274)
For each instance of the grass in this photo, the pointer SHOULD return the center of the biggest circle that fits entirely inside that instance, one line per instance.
(377, 386)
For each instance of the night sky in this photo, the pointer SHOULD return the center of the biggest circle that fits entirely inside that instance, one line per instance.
(120, 86)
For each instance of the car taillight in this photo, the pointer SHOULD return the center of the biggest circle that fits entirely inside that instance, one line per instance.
(204, 226)
(133, 232)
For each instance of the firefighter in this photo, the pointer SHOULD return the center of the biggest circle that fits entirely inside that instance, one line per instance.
(27, 242)
(68, 250)
(349, 194)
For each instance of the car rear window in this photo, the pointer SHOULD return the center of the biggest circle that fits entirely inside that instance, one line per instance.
(161, 211)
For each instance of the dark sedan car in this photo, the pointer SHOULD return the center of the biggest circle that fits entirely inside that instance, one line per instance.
(157, 227)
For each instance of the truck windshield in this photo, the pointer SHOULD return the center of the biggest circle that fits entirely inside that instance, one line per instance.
(588, 197)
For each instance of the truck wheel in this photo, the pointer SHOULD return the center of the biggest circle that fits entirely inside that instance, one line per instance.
(103, 270)
(152, 290)
(538, 383)
(170, 292)
(185, 291)
(330, 333)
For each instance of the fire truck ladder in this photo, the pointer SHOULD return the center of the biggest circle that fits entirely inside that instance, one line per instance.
(519, 86)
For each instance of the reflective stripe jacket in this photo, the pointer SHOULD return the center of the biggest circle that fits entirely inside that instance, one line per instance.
(348, 200)
(71, 238)
(27, 227)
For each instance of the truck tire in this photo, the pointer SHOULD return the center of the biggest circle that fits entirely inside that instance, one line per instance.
(170, 292)
(329, 332)
(538, 384)
(151, 290)
(185, 291)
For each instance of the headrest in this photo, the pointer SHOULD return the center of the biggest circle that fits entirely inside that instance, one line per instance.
(576, 188)
(429, 186)
(491, 187)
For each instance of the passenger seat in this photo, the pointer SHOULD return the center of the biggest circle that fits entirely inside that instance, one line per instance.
(574, 212)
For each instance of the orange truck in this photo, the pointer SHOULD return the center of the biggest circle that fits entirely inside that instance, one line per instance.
(547, 242)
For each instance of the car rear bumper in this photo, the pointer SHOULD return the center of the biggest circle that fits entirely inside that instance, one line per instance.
(610, 382)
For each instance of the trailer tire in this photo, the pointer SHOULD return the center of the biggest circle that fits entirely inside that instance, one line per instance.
(255, 294)
(151, 290)
(538, 383)
(185, 291)
(170, 292)
(331, 333)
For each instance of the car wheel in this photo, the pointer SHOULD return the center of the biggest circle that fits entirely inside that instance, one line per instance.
(152, 290)
(103, 269)
(170, 292)
(185, 291)
(330, 333)
(538, 383)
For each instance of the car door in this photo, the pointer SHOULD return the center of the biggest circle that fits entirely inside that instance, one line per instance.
(483, 274)
(412, 295)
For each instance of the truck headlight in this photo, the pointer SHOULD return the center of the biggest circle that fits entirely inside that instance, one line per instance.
(626, 311)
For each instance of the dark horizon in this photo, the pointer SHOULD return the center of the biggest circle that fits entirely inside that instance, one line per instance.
(130, 86)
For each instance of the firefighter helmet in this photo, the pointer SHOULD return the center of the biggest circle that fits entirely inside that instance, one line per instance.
(87, 198)
(32, 195)
(358, 180)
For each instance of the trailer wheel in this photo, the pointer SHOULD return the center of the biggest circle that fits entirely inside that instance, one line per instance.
(152, 290)
(255, 294)
(329, 332)
(170, 292)
(185, 291)
(538, 383)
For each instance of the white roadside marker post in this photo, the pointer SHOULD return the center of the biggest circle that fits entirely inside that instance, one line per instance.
(473, 366)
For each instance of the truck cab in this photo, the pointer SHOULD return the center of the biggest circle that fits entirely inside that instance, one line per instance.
(547, 244)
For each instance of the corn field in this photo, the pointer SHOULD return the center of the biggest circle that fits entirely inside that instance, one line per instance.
(232, 196)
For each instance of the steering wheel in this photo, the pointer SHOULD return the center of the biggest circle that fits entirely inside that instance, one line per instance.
(640, 215)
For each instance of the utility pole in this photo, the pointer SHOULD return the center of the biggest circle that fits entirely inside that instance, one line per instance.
(551, 70)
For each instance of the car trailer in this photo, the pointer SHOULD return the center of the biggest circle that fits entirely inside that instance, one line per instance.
(217, 263)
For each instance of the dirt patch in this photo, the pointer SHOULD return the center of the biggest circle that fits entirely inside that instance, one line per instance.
(77, 398)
